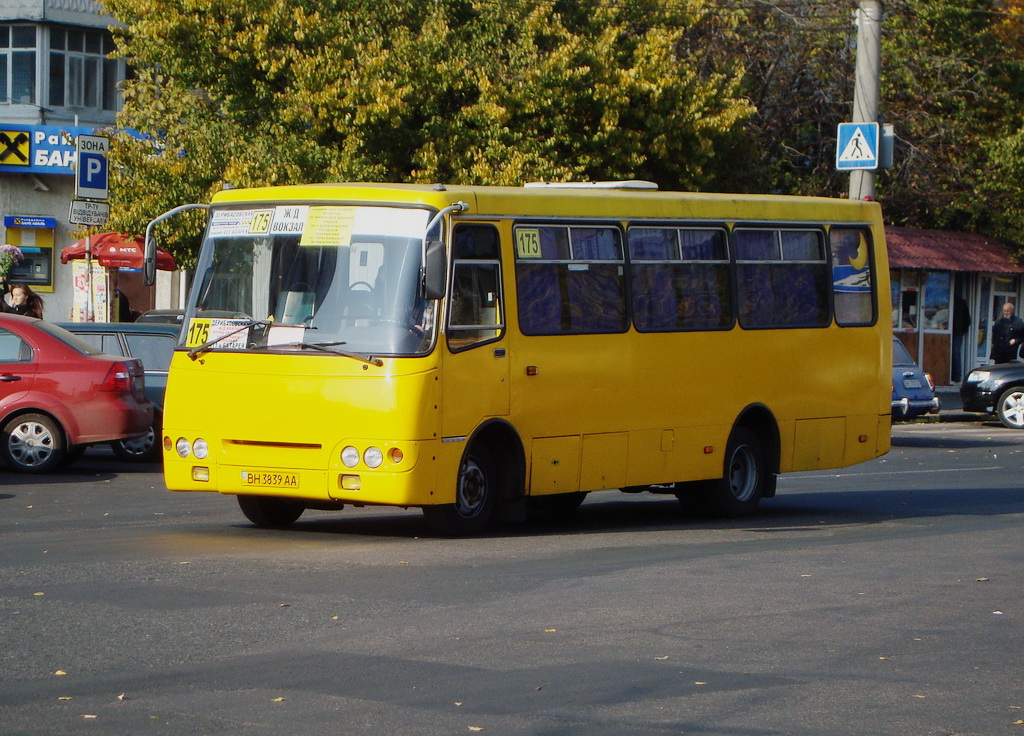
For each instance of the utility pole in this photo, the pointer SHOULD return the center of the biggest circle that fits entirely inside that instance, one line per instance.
(865, 93)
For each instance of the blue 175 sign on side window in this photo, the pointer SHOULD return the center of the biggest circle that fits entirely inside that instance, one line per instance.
(857, 146)
(91, 174)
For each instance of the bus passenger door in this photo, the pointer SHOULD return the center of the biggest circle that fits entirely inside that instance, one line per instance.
(475, 370)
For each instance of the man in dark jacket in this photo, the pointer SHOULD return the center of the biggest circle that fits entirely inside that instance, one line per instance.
(1007, 332)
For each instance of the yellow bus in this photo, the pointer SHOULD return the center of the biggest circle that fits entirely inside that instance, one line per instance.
(475, 351)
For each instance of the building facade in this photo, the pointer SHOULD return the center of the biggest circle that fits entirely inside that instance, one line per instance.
(57, 81)
(947, 290)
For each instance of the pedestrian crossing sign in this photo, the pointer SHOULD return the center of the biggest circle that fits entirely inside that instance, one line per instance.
(857, 146)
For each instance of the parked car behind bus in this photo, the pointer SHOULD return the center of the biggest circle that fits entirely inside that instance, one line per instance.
(152, 343)
(996, 389)
(59, 394)
(913, 391)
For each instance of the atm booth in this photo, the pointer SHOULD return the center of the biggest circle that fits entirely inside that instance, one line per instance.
(34, 235)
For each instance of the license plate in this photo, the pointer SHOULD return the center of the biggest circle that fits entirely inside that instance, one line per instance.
(911, 383)
(269, 479)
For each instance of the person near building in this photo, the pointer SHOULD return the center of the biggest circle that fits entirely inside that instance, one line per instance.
(1007, 332)
(22, 300)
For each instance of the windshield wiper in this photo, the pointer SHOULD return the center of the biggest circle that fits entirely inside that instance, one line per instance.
(200, 349)
(331, 347)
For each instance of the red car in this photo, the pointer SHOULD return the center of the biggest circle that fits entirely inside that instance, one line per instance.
(59, 394)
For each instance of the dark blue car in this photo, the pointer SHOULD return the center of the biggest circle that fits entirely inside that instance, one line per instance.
(913, 392)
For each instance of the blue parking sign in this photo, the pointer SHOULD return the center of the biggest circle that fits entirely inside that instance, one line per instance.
(857, 146)
(91, 168)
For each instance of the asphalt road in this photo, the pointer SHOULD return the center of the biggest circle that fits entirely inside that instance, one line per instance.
(887, 598)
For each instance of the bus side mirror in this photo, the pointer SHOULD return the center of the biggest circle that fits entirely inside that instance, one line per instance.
(149, 261)
(435, 270)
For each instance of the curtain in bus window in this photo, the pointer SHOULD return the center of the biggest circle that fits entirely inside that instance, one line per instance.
(781, 293)
(574, 284)
(852, 285)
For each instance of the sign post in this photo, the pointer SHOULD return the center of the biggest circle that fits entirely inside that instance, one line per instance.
(91, 182)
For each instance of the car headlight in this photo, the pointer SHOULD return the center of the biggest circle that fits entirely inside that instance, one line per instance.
(978, 376)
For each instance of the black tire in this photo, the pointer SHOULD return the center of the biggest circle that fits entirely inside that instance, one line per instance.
(1010, 408)
(744, 478)
(144, 449)
(271, 512)
(476, 495)
(33, 443)
(559, 504)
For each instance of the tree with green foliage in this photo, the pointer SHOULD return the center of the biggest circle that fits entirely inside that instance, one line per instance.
(264, 92)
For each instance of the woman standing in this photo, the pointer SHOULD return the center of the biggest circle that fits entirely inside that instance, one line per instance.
(23, 301)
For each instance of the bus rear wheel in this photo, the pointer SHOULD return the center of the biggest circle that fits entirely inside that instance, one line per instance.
(476, 495)
(744, 478)
(271, 512)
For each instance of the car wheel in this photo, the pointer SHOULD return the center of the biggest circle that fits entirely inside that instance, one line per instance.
(144, 449)
(744, 477)
(271, 512)
(32, 443)
(1010, 408)
(476, 495)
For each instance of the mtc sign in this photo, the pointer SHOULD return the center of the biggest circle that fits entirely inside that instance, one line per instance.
(91, 175)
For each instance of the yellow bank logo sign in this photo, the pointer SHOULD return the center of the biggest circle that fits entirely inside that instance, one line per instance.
(14, 148)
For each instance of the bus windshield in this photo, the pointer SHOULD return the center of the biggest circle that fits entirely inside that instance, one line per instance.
(295, 277)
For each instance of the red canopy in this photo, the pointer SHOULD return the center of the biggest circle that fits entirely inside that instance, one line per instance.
(115, 250)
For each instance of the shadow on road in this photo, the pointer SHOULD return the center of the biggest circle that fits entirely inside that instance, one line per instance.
(609, 512)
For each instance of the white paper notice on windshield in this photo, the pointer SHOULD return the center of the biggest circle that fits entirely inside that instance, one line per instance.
(237, 223)
(220, 328)
(330, 226)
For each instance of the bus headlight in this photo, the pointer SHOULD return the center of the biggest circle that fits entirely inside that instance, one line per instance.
(183, 447)
(373, 457)
(200, 449)
(350, 457)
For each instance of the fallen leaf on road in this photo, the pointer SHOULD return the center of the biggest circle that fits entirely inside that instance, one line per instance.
(277, 700)
(60, 673)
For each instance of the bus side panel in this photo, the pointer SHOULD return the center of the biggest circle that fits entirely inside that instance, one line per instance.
(819, 443)
(556, 465)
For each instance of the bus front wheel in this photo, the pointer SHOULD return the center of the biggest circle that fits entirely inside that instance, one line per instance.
(743, 480)
(271, 512)
(476, 494)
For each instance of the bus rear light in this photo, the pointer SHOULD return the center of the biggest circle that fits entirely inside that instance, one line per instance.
(350, 482)
(395, 455)
(350, 457)
(373, 457)
(200, 474)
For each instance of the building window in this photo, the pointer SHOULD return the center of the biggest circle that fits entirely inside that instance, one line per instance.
(17, 64)
(81, 75)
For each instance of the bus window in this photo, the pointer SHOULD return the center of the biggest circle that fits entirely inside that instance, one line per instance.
(570, 280)
(680, 279)
(852, 286)
(781, 278)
